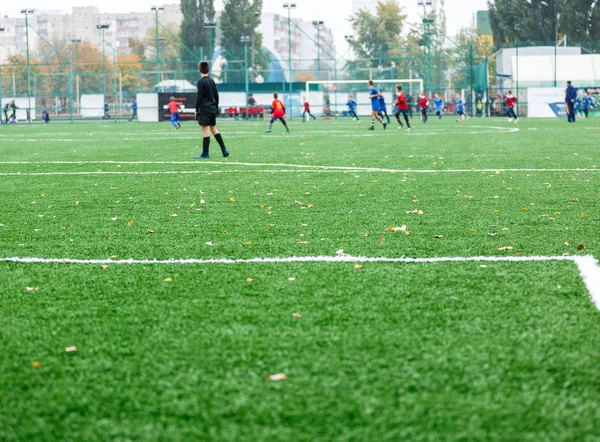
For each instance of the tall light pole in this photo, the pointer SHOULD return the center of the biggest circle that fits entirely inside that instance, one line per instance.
(26, 12)
(317, 24)
(289, 7)
(156, 10)
(76, 42)
(102, 29)
(426, 41)
(211, 26)
(246, 39)
(114, 76)
(1, 85)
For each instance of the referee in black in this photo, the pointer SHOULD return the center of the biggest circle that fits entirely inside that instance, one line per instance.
(207, 107)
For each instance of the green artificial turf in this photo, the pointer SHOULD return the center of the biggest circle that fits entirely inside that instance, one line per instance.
(442, 351)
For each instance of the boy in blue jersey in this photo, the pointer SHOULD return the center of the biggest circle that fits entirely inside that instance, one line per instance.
(461, 115)
(352, 108)
(587, 101)
(374, 96)
(578, 108)
(439, 106)
(383, 107)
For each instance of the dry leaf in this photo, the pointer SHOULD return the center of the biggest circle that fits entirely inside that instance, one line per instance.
(202, 202)
(582, 216)
(296, 315)
(504, 249)
(381, 239)
(115, 218)
(438, 236)
(104, 267)
(310, 206)
(304, 225)
(168, 280)
(567, 243)
(357, 267)
(575, 200)
(472, 230)
(505, 229)
(247, 243)
(76, 203)
(209, 244)
(291, 279)
(268, 213)
(277, 377)
(70, 349)
(525, 209)
(149, 231)
(249, 280)
(580, 247)
(130, 223)
(483, 266)
(36, 364)
(365, 234)
(301, 242)
(232, 200)
(270, 225)
(173, 215)
(64, 228)
(32, 289)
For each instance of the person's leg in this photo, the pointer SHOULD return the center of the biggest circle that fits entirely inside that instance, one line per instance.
(219, 139)
(406, 119)
(586, 112)
(271, 124)
(397, 115)
(205, 142)
(284, 124)
(386, 116)
(304, 116)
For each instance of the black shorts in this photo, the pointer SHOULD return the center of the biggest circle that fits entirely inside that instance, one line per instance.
(404, 113)
(207, 118)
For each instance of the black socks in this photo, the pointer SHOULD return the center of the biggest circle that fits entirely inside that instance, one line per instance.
(219, 139)
(205, 144)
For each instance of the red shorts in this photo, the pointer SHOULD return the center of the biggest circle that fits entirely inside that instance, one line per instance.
(278, 114)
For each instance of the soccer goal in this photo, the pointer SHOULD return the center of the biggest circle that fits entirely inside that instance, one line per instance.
(330, 98)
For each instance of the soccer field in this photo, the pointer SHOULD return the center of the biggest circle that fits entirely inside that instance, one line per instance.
(185, 284)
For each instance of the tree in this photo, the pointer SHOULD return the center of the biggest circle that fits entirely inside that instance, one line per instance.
(378, 37)
(128, 65)
(193, 34)
(145, 48)
(543, 21)
(242, 18)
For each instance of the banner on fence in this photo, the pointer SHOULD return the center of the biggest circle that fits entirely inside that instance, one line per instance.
(186, 101)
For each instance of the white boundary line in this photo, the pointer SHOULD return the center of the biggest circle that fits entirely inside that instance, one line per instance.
(298, 166)
(587, 264)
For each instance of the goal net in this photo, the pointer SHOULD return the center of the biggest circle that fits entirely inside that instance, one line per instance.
(330, 98)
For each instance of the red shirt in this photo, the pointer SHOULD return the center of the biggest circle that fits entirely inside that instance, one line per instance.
(423, 102)
(306, 106)
(173, 107)
(278, 107)
(510, 100)
(401, 102)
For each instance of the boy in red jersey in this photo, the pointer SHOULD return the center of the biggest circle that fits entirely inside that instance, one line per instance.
(278, 111)
(401, 108)
(423, 105)
(173, 107)
(307, 111)
(510, 102)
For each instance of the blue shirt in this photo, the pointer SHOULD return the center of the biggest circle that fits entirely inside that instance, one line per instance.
(571, 93)
(381, 103)
(439, 104)
(134, 105)
(374, 100)
(352, 105)
(459, 105)
(586, 102)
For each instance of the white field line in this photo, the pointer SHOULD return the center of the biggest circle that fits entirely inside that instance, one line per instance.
(587, 265)
(172, 172)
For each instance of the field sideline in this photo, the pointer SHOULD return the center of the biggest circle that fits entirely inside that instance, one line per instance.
(411, 286)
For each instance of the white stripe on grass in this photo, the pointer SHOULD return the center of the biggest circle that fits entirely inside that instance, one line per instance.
(587, 265)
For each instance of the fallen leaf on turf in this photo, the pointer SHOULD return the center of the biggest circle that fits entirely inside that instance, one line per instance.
(270, 225)
(168, 280)
(32, 289)
(268, 213)
(304, 225)
(381, 239)
(104, 267)
(310, 206)
(249, 280)
(301, 242)
(575, 200)
(483, 266)
(36, 364)
(202, 202)
(173, 214)
(525, 209)
(299, 203)
(580, 247)
(296, 315)
(130, 223)
(506, 228)
(232, 200)
(291, 279)
(396, 229)
(64, 228)
(357, 267)
(504, 249)
(567, 243)
(365, 234)
(76, 203)
(208, 243)
(472, 230)
(277, 377)
(340, 252)
(582, 216)
(438, 236)
(70, 349)
(115, 218)
(247, 243)
(492, 234)
(149, 231)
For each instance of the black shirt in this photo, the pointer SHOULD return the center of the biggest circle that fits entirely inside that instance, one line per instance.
(208, 96)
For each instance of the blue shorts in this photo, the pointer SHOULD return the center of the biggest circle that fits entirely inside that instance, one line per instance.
(175, 117)
(375, 107)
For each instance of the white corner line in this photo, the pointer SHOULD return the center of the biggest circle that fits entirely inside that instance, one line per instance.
(590, 272)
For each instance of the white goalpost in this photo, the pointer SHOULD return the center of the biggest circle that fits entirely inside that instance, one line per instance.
(332, 96)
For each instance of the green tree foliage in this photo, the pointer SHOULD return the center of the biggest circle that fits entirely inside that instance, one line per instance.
(242, 18)
(378, 37)
(193, 34)
(543, 21)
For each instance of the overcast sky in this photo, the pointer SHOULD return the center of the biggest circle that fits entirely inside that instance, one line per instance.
(334, 13)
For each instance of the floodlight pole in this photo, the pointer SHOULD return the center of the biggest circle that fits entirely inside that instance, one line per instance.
(318, 24)
(26, 12)
(1, 85)
(102, 28)
(156, 10)
(245, 39)
(289, 7)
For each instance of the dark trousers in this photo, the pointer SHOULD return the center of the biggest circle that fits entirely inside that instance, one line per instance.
(511, 113)
(570, 112)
